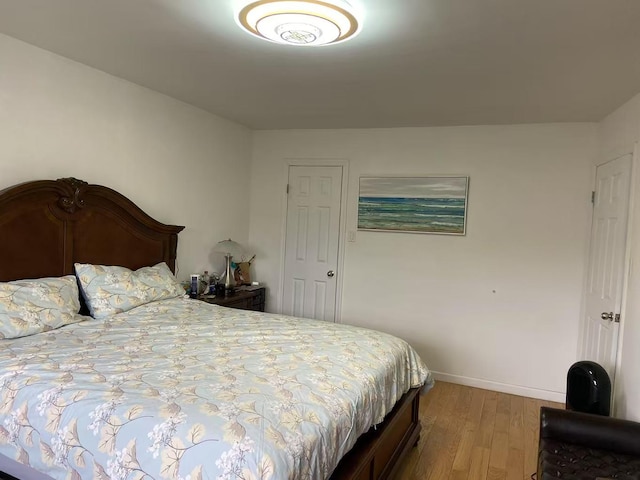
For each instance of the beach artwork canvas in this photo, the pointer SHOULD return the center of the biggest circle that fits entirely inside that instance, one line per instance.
(413, 204)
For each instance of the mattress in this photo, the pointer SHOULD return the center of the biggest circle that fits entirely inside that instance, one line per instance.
(181, 389)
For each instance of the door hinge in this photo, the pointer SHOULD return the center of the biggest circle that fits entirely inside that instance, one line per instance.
(593, 197)
(287, 189)
(617, 318)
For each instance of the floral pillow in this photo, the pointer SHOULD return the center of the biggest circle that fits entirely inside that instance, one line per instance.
(34, 306)
(109, 289)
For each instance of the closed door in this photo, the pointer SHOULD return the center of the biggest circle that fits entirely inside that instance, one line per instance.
(605, 277)
(312, 240)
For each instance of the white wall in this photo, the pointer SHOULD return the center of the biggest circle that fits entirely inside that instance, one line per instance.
(178, 163)
(498, 307)
(618, 134)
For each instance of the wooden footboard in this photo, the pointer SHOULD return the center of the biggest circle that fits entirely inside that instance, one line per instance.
(378, 453)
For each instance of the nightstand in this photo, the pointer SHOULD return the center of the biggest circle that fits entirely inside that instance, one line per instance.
(245, 298)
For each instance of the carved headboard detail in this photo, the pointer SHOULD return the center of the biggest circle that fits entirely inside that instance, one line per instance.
(46, 226)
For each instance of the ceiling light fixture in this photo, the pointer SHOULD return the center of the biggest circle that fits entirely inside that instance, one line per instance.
(300, 22)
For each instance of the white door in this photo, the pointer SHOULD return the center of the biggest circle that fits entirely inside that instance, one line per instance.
(312, 239)
(605, 277)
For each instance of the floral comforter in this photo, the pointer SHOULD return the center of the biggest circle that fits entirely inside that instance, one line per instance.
(180, 389)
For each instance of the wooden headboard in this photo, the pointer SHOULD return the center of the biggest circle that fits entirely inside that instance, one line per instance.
(46, 226)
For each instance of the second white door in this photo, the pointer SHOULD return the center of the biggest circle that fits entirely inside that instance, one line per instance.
(605, 277)
(312, 241)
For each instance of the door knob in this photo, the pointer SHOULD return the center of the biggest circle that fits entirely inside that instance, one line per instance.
(607, 316)
(330, 273)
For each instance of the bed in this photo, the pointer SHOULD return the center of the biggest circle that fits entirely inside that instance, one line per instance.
(179, 388)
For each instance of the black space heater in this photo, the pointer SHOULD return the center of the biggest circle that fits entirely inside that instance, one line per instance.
(588, 389)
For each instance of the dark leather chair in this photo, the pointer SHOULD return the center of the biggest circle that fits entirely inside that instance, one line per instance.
(582, 446)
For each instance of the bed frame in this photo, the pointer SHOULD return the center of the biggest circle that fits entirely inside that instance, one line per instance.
(46, 226)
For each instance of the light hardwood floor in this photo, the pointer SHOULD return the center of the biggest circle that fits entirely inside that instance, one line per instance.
(474, 434)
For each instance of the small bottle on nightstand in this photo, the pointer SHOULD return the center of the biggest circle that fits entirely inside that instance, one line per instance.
(194, 286)
(206, 281)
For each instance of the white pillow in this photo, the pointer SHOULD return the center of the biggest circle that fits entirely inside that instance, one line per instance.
(34, 306)
(110, 289)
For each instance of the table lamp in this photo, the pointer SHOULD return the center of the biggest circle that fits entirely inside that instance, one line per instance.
(229, 249)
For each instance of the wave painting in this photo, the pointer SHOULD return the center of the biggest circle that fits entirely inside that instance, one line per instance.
(413, 204)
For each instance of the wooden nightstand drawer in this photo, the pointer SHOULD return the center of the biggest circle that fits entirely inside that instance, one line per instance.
(243, 299)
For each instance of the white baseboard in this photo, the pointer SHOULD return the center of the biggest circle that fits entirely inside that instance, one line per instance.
(501, 387)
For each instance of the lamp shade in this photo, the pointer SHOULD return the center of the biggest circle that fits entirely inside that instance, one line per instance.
(229, 248)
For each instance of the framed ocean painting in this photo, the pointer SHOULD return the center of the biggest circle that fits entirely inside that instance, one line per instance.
(413, 204)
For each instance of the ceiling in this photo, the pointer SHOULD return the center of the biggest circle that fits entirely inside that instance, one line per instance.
(415, 63)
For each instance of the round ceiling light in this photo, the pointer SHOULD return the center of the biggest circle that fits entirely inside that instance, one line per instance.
(300, 22)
